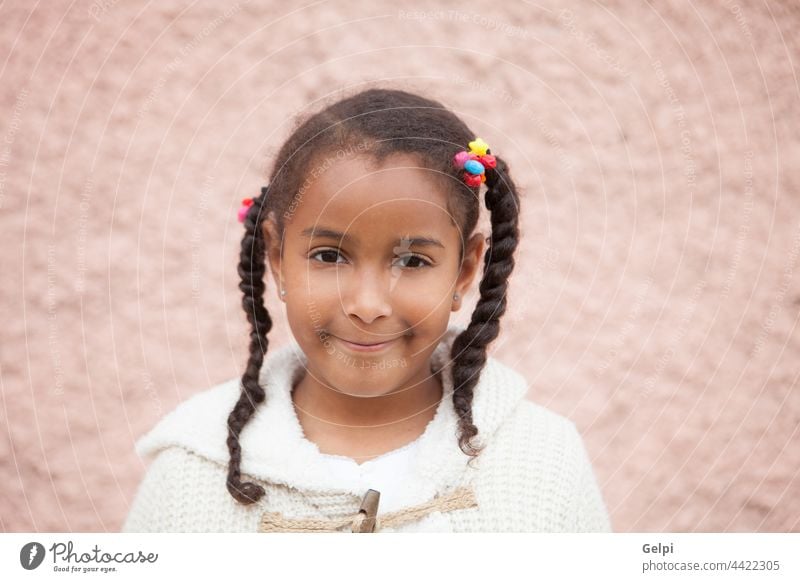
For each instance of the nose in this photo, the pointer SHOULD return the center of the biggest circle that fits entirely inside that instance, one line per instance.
(368, 295)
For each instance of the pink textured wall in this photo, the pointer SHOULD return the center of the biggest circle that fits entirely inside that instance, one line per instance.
(657, 296)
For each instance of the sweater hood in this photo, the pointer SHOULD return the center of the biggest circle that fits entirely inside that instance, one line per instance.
(275, 449)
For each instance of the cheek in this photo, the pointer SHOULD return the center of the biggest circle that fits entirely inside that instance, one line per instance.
(317, 290)
(428, 287)
(307, 323)
(422, 293)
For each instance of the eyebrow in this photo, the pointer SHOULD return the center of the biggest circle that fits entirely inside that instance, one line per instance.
(324, 232)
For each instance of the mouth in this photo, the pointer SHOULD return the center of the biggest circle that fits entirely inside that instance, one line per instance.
(363, 347)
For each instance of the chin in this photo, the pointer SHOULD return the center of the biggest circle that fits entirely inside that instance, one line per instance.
(364, 376)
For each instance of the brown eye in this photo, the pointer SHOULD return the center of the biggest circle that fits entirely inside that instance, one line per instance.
(416, 262)
(330, 253)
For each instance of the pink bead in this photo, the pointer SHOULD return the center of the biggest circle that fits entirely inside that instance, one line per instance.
(460, 159)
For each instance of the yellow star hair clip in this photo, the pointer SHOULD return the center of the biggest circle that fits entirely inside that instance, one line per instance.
(478, 147)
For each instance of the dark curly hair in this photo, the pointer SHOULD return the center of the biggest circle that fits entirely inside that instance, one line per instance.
(387, 121)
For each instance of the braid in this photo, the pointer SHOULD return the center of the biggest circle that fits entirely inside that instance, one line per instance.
(469, 348)
(251, 271)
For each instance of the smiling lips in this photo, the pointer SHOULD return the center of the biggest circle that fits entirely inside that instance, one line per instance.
(363, 347)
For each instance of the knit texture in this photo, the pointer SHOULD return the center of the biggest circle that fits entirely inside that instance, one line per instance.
(533, 476)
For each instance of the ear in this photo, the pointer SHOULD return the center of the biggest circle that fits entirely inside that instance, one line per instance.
(272, 250)
(473, 259)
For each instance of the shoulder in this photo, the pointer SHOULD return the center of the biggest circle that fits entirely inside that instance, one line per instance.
(198, 424)
(504, 390)
(521, 435)
(534, 421)
(184, 492)
(538, 440)
(157, 503)
(537, 475)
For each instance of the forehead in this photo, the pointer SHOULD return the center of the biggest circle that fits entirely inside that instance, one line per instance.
(376, 201)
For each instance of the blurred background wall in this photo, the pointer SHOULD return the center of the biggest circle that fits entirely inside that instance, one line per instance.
(657, 292)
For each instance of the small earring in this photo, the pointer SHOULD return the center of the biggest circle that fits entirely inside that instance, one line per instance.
(283, 292)
(455, 297)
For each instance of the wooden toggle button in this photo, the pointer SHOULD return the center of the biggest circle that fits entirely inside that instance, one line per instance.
(369, 507)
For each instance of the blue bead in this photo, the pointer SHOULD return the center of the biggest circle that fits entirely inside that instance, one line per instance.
(474, 167)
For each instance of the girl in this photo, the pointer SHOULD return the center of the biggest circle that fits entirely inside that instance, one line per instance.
(381, 415)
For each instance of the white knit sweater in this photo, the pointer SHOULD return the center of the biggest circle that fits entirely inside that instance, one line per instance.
(533, 476)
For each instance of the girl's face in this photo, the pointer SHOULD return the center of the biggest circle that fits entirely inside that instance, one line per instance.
(370, 254)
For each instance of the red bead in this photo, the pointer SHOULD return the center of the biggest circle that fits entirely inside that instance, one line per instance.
(488, 160)
(473, 179)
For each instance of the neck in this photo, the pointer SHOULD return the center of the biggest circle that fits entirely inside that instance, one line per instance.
(397, 412)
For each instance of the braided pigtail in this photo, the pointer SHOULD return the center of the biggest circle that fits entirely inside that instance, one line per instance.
(251, 271)
(469, 348)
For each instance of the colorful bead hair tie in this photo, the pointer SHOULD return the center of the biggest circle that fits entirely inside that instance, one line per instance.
(248, 202)
(474, 162)
(245, 208)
